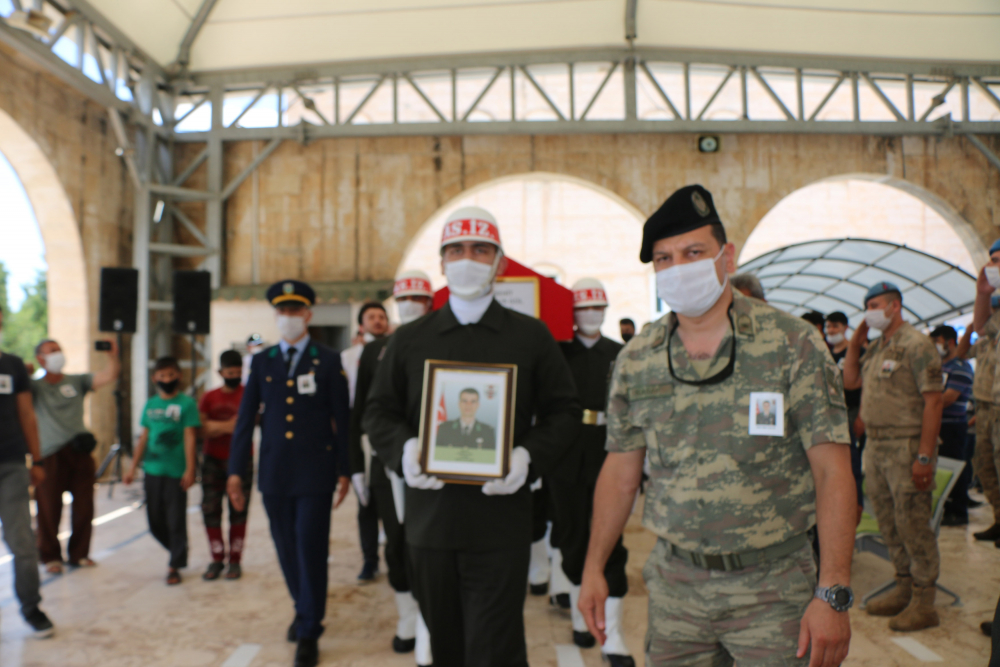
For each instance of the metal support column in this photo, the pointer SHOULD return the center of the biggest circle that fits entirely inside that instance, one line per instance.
(142, 217)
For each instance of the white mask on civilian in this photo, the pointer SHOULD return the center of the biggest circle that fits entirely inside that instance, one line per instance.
(54, 362)
(942, 350)
(410, 310)
(469, 279)
(835, 339)
(291, 327)
(691, 289)
(589, 322)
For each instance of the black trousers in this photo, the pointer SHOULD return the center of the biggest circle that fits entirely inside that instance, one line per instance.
(396, 560)
(166, 509)
(955, 445)
(368, 529)
(574, 508)
(539, 513)
(473, 604)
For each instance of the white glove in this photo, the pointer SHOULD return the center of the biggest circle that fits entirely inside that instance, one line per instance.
(358, 482)
(412, 472)
(520, 459)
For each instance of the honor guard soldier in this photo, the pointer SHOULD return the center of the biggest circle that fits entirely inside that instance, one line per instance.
(469, 545)
(732, 575)
(591, 358)
(413, 295)
(901, 409)
(303, 454)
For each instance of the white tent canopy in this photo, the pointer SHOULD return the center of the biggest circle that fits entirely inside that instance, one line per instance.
(241, 34)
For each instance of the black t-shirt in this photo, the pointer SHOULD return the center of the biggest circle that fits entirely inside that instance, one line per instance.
(851, 396)
(13, 381)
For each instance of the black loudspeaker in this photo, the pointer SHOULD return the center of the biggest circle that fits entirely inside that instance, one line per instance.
(192, 299)
(119, 299)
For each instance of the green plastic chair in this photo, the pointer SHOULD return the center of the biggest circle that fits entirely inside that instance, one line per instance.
(868, 538)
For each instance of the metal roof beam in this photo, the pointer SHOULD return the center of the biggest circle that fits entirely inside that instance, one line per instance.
(120, 38)
(197, 23)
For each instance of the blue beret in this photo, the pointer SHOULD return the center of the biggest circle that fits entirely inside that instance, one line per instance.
(995, 246)
(285, 291)
(687, 209)
(995, 301)
(881, 288)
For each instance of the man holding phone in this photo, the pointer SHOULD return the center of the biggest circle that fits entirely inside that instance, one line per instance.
(67, 451)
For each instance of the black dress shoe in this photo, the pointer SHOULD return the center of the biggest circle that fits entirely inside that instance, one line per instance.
(972, 503)
(561, 600)
(987, 628)
(293, 633)
(991, 534)
(954, 520)
(584, 639)
(619, 660)
(307, 653)
(539, 589)
(403, 645)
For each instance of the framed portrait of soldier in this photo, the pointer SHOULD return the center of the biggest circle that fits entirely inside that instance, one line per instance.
(467, 420)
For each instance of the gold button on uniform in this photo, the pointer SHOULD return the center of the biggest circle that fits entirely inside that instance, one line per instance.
(289, 418)
(290, 383)
(289, 435)
(268, 378)
(289, 400)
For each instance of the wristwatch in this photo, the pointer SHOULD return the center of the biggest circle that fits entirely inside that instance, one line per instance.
(841, 598)
(923, 459)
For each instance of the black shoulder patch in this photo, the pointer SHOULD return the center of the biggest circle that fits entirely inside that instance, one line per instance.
(744, 325)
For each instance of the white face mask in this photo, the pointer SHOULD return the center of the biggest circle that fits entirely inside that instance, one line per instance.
(993, 276)
(691, 289)
(877, 319)
(835, 339)
(367, 337)
(589, 321)
(942, 350)
(410, 310)
(54, 362)
(469, 279)
(291, 327)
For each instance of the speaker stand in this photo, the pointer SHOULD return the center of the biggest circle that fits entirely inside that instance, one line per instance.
(194, 367)
(114, 455)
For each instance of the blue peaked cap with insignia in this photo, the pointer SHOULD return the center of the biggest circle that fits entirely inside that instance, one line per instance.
(291, 291)
(995, 246)
(879, 289)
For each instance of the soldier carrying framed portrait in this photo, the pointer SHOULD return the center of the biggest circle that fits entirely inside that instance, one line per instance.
(467, 420)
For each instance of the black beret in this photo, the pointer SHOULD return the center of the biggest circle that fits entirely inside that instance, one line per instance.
(284, 291)
(687, 209)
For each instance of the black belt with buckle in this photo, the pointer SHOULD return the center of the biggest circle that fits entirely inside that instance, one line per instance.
(730, 562)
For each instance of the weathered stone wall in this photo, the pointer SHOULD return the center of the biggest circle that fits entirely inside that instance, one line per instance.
(345, 209)
(74, 136)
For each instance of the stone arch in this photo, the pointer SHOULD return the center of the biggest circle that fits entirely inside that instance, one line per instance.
(69, 317)
(948, 224)
(573, 211)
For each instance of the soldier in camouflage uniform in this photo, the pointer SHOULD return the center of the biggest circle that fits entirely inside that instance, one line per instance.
(983, 460)
(732, 577)
(901, 409)
(986, 322)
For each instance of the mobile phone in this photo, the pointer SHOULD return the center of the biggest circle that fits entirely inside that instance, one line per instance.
(103, 346)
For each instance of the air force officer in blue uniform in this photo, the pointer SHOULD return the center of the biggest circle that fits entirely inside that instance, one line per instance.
(303, 454)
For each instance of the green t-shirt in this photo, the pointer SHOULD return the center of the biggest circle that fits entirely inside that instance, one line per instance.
(59, 408)
(166, 420)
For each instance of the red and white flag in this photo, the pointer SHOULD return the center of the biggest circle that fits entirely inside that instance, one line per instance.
(442, 413)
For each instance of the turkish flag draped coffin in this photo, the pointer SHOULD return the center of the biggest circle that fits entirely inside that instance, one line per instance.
(526, 291)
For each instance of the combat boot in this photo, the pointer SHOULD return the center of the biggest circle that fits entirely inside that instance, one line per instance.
(919, 614)
(893, 602)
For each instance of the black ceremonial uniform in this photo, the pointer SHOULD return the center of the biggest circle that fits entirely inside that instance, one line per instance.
(478, 436)
(469, 551)
(573, 481)
(380, 495)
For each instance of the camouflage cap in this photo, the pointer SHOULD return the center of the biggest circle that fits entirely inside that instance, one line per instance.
(687, 209)
(878, 289)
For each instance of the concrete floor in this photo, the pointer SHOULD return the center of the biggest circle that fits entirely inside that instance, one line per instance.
(121, 613)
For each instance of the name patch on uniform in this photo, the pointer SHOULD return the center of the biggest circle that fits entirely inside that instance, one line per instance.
(650, 391)
(767, 413)
(888, 366)
(6, 384)
(307, 383)
(68, 390)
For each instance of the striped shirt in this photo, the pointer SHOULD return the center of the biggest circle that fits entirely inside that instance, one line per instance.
(958, 376)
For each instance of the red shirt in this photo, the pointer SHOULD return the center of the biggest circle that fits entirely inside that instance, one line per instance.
(218, 405)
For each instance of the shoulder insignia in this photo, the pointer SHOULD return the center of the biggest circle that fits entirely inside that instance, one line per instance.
(661, 337)
(273, 353)
(650, 391)
(312, 351)
(744, 325)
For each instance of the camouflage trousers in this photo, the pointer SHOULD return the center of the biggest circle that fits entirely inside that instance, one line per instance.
(903, 513)
(986, 458)
(708, 618)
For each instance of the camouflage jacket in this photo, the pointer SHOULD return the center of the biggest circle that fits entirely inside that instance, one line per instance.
(715, 488)
(895, 375)
(985, 354)
(992, 332)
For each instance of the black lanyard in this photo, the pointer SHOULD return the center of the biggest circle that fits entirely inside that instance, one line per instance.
(718, 377)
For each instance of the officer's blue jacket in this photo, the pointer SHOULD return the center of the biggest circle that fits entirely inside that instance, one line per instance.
(303, 445)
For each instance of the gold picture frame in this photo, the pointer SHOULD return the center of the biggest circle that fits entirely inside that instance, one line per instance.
(467, 420)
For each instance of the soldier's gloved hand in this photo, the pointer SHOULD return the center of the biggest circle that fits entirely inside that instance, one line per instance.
(520, 459)
(412, 472)
(358, 482)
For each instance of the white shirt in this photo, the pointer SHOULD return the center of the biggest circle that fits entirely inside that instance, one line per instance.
(470, 312)
(350, 359)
